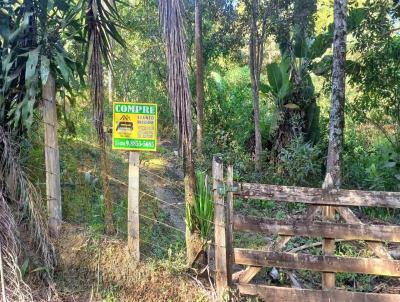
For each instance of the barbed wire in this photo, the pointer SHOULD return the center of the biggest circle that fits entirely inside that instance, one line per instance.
(125, 184)
(169, 204)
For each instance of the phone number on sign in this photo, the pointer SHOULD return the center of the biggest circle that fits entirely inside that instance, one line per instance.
(133, 143)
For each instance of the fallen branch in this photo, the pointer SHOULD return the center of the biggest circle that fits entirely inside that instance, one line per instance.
(308, 246)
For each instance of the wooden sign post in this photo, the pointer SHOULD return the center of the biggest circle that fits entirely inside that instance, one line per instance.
(134, 130)
(133, 205)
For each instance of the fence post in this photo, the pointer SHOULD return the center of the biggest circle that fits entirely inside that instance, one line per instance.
(328, 246)
(52, 155)
(222, 284)
(229, 219)
(133, 205)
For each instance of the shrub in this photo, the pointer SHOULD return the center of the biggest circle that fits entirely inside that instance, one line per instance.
(300, 163)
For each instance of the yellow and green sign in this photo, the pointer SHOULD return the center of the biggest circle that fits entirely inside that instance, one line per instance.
(134, 126)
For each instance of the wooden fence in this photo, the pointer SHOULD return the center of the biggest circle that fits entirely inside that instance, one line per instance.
(226, 222)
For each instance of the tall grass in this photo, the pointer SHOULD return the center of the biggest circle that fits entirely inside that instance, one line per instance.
(200, 215)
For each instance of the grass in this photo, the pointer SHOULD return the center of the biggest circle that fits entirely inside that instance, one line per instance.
(104, 267)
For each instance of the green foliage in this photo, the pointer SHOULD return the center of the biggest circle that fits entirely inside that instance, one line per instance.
(370, 166)
(323, 41)
(32, 45)
(376, 73)
(229, 96)
(301, 163)
(199, 216)
(101, 29)
(278, 79)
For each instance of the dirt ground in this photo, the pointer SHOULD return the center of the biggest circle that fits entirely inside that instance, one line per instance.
(91, 268)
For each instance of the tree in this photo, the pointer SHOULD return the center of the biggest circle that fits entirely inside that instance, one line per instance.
(33, 53)
(297, 111)
(199, 75)
(336, 124)
(256, 55)
(34, 65)
(181, 100)
(101, 17)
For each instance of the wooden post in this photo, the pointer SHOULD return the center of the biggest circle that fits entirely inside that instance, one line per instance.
(133, 205)
(229, 225)
(222, 284)
(52, 155)
(328, 244)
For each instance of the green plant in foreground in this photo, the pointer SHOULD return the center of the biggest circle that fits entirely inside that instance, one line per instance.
(200, 215)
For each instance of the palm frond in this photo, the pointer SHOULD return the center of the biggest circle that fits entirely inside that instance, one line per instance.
(178, 80)
(102, 20)
(12, 287)
(19, 189)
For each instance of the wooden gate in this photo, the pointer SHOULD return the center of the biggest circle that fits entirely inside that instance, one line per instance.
(226, 222)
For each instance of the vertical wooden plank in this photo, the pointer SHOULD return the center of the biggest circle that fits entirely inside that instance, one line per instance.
(329, 247)
(328, 244)
(229, 225)
(133, 205)
(222, 284)
(52, 155)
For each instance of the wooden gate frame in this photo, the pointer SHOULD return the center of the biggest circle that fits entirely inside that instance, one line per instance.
(226, 255)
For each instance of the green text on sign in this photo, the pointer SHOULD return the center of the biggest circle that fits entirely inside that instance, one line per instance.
(129, 144)
(135, 109)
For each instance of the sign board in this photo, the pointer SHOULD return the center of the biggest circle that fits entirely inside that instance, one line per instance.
(134, 126)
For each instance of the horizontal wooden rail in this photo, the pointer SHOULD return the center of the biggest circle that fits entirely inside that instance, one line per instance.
(279, 294)
(318, 196)
(318, 263)
(390, 233)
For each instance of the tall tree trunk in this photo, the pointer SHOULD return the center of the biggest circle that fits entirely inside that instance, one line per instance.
(110, 72)
(181, 100)
(97, 96)
(110, 86)
(255, 62)
(336, 125)
(199, 75)
(52, 154)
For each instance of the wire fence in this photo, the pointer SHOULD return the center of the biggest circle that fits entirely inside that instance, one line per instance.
(162, 216)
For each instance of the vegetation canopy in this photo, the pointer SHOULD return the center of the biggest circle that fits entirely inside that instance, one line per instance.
(293, 97)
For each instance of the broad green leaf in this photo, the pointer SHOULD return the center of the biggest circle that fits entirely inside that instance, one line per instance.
(6, 64)
(264, 88)
(24, 24)
(31, 64)
(274, 77)
(60, 60)
(44, 69)
(300, 47)
(284, 66)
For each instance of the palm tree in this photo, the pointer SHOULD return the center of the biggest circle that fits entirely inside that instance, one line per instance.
(101, 18)
(181, 100)
(199, 75)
